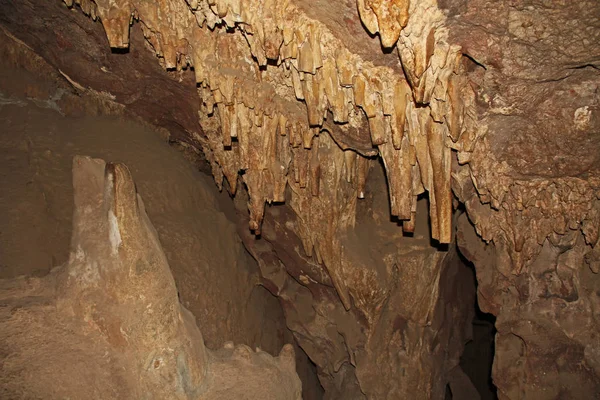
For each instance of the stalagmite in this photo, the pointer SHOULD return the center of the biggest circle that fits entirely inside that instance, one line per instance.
(118, 312)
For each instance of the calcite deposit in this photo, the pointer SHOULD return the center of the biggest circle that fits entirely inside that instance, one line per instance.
(273, 83)
(109, 324)
(364, 142)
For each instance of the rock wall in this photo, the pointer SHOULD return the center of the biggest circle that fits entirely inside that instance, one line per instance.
(255, 61)
(531, 189)
(410, 336)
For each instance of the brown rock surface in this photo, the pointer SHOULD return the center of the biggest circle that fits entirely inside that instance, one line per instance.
(109, 324)
(533, 189)
(397, 342)
(37, 144)
(494, 103)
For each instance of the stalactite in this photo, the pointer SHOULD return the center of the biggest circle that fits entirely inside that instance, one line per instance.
(273, 117)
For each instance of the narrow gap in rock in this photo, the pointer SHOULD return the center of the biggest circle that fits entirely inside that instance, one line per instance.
(478, 355)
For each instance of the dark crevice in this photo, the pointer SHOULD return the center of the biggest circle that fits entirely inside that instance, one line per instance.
(474, 61)
(478, 355)
(584, 66)
(119, 50)
(569, 74)
(551, 80)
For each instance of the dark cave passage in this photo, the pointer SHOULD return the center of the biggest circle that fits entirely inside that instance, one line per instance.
(478, 355)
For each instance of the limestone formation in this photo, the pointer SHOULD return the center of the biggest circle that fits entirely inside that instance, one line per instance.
(113, 312)
(490, 107)
(262, 129)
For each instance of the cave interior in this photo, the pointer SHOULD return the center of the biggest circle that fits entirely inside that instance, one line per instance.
(319, 200)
